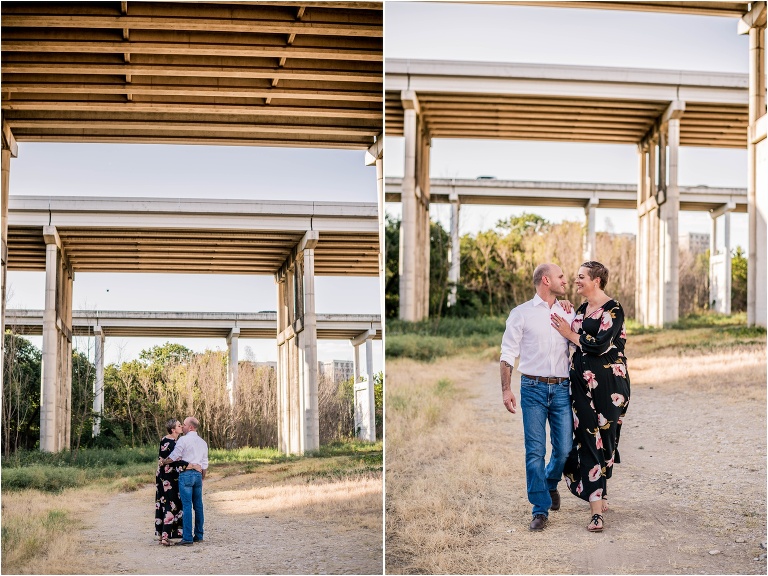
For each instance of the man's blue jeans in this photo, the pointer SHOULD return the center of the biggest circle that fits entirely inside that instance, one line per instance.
(191, 494)
(541, 402)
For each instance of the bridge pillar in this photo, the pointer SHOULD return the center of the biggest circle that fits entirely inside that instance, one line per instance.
(298, 413)
(232, 359)
(454, 272)
(669, 239)
(641, 244)
(414, 227)
(653, 273)
(720, 263)
(375, 155)
(9, 150)
(754, 23)
(365, 398)
(590, 211)
(98, 385)
(56, 389)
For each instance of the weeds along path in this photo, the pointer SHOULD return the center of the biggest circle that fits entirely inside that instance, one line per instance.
(689, 496)
(253, 525)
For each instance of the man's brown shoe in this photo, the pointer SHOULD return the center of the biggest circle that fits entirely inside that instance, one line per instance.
(538, 523)
(555, 495)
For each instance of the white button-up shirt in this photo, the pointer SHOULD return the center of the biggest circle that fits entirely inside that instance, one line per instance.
(530, 335)
(192, 449)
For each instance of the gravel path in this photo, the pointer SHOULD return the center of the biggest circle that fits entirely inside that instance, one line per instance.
(118, 539)
(689, 496)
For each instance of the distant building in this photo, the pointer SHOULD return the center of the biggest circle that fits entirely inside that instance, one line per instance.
(694, 242)
(336, 370)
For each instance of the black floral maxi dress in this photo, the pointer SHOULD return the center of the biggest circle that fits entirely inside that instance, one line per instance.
(168, 511)
(599, 399)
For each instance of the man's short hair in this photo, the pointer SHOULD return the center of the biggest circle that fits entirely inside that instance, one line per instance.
(597, 270)
(541, 271)
(192, 421)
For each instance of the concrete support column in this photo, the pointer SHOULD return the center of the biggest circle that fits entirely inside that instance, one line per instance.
(641, 244)
(364, 392)
(298, 413)
(98, 385)
(414, 227)
(720, 262)
(56, 387)
(356, 363)
(409, 224)
(454, 272)
(309, 338)
(757, 188)
(671, 214)
(590, 211)
(232, 360)
(375, 156)
(9, 150)
(653, 277)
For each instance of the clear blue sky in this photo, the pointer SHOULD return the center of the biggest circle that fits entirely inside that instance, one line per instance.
(569, 36)
(111, 170)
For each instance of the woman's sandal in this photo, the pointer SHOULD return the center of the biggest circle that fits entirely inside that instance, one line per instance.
(596, 524)
(165, 542)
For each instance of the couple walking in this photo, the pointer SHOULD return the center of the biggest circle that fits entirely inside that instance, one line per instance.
(584, 399)
(181, 469)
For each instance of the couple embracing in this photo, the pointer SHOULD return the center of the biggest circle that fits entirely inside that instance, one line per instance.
(584, 398)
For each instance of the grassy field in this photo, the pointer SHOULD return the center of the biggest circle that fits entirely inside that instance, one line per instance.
(44, 495)
(431, 339)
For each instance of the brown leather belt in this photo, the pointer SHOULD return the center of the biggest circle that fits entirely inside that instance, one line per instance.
(548, 379)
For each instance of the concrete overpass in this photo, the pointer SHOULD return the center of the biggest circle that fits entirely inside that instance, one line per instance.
(100, 324)
(294, 241)
(657, 110)
(589, 196)
(296, 74)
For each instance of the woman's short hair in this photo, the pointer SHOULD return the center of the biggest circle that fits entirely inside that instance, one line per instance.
(597, 270)
(171, 424)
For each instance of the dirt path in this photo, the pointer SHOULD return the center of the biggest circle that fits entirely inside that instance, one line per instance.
(688, 498)
(249, 529)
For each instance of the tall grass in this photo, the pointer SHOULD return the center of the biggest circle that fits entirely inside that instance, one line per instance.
(434, 339)
(131, 467)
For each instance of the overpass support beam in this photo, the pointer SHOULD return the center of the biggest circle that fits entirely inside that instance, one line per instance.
(658, 285)
(232, 359)
(454, 272)
(56, 389)
(298, 413)
(720, 263)
(414, 227)
(98, 384)
(754, 23)
(365, 398)
(590, 211)
(9, 150)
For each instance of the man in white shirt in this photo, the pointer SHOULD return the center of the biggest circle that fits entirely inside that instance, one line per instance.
(194, 450)
(544, 387)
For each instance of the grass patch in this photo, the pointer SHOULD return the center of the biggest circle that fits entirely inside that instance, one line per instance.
(435, 339)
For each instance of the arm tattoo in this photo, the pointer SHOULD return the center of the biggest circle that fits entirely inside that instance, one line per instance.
(506, 376)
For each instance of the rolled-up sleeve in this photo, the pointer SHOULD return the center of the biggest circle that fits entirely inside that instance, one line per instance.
(510, 343)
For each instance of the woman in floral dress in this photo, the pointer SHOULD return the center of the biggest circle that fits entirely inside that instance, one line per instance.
(599, 389)
(168, 511)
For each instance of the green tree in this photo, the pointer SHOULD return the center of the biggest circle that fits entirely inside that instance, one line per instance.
(738, 281)
(165, 354)
(21, 394)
